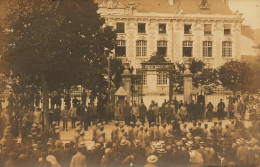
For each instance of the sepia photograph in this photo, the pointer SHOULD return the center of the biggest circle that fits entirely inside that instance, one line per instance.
(129, 83)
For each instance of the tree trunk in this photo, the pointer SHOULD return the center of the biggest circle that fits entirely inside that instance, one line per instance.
(45, 103)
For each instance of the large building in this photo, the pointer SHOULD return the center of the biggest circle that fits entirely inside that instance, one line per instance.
(178, 30)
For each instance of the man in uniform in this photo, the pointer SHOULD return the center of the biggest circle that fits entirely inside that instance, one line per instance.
(221, 107)
(210, 110)
(142, 112)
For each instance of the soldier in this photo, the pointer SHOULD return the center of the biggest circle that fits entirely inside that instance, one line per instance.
(162, 112)
(205, 132)
(67, 101)
(57, 114)
(151, 115)
(219, 130)
(83, 97)
(210, 110)
(169, 113)
(142, 112)
(231, 110)
(65, 114)
(241, 108)
(183, 112)
(127, 110)
(201, 111)
(221, 107)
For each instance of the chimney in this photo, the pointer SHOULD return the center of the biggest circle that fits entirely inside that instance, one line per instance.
(171, 2)
(226, 2)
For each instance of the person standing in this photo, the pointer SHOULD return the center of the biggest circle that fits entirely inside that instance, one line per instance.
(65, 114)
(241, 109)
(84, 98)
(183, 112)
(135, 110)
(79, 160)
(169, 113)
(210, 111)
(151, 115)
(162, 112)
(73, 115)
(231, 110)
(221, 108)
(142, 112)
(201, 110)
(57, 114)
(117, 111)
(67, 101)
(127, 110)
(37, 118)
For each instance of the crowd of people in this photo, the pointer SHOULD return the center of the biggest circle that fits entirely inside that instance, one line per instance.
(173, 134)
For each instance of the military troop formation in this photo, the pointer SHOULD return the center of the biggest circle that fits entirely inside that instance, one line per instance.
(176, 134)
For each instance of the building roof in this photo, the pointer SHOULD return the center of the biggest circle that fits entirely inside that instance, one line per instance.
(187, 6)
(257, 35)
(121, 92)
(247, 31)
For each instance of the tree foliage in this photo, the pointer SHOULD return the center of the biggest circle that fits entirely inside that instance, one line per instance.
(235, 75)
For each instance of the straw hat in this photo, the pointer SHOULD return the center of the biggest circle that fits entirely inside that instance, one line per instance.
(152, 159)
(81, 145)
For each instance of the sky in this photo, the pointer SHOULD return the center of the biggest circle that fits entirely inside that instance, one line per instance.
(250, 10)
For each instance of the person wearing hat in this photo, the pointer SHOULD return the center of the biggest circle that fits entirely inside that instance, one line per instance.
(162, 112)
(127, 110)
(136, 129)
(210, 108)
(163, 132)
(138, 153)
(151, 115)
(130, 132)
(169, 113)
(151, 161)
(221, 108)
(142, 112)
(79, 160)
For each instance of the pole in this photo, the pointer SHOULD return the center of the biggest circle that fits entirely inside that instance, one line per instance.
(109, 84)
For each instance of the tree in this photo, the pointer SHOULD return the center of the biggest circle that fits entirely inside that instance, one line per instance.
(235, 75)
(59, 44)
(254, 84)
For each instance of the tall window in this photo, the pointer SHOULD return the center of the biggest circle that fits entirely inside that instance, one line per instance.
(162, 78)
(162, 48)
(227, 29)
(207, 49)
(227, 49)
(141, 48)
(187, 29)
(144, 78)
(207, 29)
(120, 27)
(187, 49)
(141, 27)
(120, 50)
(162, 28)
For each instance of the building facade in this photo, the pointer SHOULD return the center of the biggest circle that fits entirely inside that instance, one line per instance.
(178, 30)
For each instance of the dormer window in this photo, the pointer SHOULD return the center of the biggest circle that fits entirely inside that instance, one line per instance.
(162, 28)
(141, 27)
(187, 29)
(227, 29)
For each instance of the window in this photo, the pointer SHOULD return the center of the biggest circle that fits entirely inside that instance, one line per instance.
(162, 48)
(141, 48)
(162, 78)
(187, 29)
(162, 28)
(227, 49)
(207, 29)
(141, 27)
(120, 27)
(120, 50)
(144, 78)
(187, 49)
(207, 49)
(227, 29)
